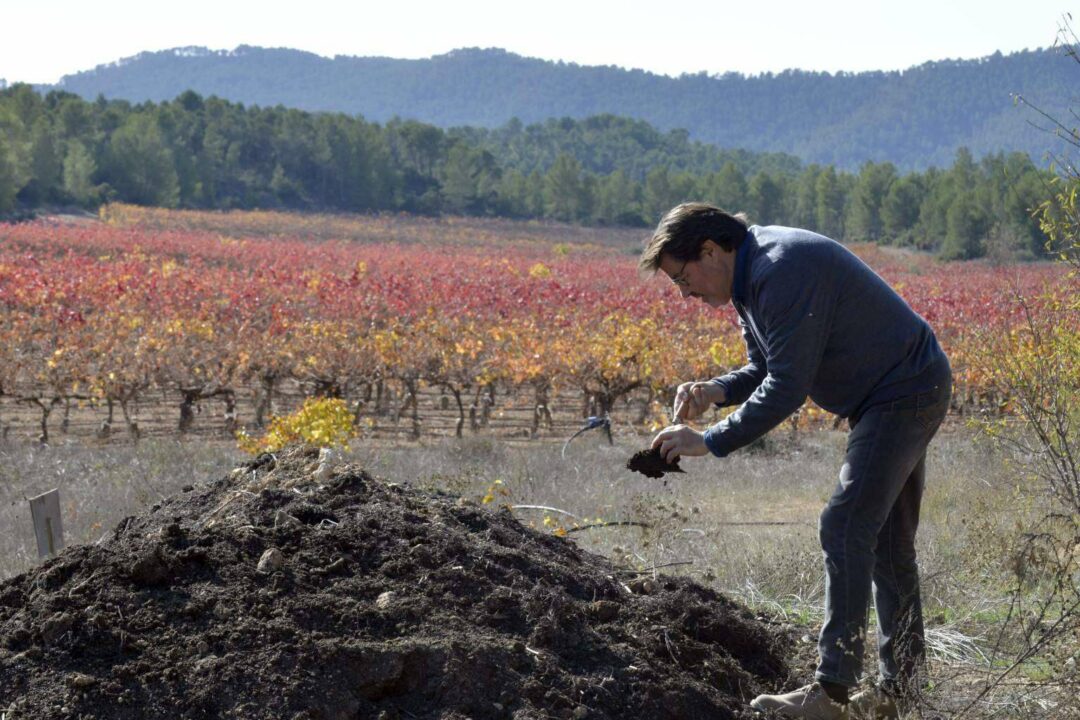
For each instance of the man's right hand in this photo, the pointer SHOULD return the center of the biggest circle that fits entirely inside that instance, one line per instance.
(692, 399)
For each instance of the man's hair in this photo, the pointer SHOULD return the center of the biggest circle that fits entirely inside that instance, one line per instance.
(685, 228)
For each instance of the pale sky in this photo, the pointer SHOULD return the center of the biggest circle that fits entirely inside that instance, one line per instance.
(45, 39)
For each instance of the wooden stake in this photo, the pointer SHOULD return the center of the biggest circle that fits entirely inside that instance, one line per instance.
(48, 527)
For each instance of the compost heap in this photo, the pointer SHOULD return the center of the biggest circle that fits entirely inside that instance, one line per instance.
(286, 591)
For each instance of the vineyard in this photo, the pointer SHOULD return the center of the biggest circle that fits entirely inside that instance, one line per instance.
(163, 322)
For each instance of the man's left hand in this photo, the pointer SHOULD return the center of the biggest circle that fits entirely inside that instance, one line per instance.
(680, 441)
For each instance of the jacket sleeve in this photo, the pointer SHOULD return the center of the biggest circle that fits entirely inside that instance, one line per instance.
(795, 315)
(739, 384)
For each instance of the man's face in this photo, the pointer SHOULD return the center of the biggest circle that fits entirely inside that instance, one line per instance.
(709, 278)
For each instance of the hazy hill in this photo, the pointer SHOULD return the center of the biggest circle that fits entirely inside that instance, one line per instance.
(914, 118)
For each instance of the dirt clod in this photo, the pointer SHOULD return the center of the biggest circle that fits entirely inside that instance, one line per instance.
(149, 567)
(642, 586)
(604, 610)
(480, 616)
(282, 518)
(652, 464)
(78, 680)
(56, 626)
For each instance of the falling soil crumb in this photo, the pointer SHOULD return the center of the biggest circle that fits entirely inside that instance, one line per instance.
(651, 463)
(380, 601)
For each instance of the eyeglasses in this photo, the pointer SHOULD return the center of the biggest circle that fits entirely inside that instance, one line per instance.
(678, 278)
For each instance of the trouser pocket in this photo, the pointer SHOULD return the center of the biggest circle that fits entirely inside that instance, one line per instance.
(932, 412)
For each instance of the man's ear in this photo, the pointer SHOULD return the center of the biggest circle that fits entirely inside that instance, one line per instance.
(709, 247)
(716, 247)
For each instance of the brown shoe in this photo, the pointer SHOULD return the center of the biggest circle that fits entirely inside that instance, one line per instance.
(873, 704)
(809, 702)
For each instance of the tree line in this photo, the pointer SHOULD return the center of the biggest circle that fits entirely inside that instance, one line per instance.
(58, 149)
(915, 118)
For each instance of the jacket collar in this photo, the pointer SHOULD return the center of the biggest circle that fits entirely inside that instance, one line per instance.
(743, 254)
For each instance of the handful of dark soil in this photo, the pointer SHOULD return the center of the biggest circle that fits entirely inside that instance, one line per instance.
(652, 464)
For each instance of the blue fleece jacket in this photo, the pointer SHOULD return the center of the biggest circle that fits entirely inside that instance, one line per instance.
(817, 323)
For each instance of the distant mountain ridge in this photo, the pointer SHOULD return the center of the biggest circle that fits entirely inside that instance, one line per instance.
(914, 118)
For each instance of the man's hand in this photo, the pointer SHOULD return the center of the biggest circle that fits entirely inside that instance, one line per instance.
(680, 441)
(692, 399)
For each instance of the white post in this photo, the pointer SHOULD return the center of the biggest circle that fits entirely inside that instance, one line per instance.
(45, 511)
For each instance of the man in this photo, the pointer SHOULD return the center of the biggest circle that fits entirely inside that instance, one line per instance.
(819, 323)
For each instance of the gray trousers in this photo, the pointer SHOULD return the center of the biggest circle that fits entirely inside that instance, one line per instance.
(868, 535)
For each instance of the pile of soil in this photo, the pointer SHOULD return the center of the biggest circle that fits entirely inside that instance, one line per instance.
(292, 590)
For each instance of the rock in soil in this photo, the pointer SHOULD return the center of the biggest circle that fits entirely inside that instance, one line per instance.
(480, 616)
(271, 560)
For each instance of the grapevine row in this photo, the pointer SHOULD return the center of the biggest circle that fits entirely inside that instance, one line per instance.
(192, 306)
